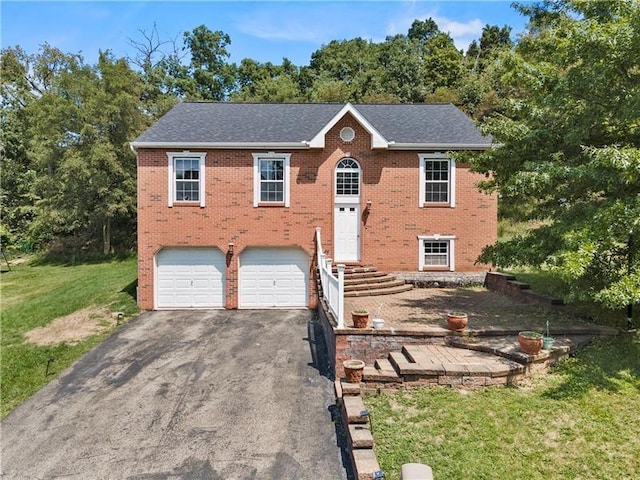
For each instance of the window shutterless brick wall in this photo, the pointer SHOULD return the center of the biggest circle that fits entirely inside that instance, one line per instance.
(389, 229)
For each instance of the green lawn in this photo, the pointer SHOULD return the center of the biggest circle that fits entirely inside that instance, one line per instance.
(579, 421)
(35, 294)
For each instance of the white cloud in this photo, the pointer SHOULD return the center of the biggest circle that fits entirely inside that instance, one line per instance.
(463, 33)
(320, 23)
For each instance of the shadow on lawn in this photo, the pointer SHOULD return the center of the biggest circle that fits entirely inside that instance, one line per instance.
(605, 365)
(81, 258)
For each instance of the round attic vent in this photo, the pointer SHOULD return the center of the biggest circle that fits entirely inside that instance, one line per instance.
(347, 134)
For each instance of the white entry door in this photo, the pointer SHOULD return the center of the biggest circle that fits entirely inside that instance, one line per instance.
(347, 233)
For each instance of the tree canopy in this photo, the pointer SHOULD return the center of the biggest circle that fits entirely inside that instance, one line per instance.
(569, 154)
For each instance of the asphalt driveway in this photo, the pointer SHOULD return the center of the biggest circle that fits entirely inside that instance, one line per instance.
(184, 395)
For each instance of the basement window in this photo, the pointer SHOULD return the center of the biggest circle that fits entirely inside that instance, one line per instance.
(436, 252)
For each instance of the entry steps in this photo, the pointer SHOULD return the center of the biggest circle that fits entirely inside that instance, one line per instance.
(366, 281)
(442, 365)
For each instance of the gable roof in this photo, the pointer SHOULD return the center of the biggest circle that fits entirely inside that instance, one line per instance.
(304, 125)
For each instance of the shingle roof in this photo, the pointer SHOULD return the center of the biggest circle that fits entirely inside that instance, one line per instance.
(273, 123)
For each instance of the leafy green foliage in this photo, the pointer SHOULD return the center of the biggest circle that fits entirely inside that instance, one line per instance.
(569, 155)
(68, 170)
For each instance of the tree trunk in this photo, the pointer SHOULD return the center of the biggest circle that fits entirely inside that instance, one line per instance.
(106, 236)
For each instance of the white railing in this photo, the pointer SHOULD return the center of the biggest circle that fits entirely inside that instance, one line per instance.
(332, 286)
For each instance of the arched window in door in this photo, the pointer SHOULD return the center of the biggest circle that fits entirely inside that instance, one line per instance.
(347, 178)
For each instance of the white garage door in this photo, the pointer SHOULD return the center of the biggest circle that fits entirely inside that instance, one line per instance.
(190, 278)
(274, 277)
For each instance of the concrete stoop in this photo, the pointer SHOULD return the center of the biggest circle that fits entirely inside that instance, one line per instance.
(357, 423)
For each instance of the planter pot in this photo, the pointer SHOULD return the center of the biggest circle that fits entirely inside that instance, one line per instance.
(360, 319)
(457, 321)
(378, 323)
(530, 342)
(547, 343)
(353, 370)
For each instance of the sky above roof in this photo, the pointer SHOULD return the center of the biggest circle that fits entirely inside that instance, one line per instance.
(261, 30)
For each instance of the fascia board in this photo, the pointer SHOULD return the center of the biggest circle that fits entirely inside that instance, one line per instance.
(377, 140)
(223, 145)
(439, 146)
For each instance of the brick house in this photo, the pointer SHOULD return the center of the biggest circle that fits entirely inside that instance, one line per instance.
(230, 195)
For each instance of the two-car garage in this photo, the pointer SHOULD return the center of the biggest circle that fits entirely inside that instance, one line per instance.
(267, 278)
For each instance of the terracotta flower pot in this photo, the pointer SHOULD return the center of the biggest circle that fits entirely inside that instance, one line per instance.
(457, 321)
(530, 342)
(360, 319)
(353, 370)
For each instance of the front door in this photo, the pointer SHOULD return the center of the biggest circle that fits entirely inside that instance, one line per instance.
(347, 233)
(346, 217)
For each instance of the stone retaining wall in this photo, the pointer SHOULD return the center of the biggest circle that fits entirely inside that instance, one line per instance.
(441, 279)
(370, 345)
(366, 345)
(509, 285)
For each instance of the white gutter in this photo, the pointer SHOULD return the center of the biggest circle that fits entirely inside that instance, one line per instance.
(304, 145)
(222, 145)
(439, 146)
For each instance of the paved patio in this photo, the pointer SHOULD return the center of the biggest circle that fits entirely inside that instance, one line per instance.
(426, 309)
(415, 345)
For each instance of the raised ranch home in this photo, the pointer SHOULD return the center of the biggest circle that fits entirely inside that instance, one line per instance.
(230, 196)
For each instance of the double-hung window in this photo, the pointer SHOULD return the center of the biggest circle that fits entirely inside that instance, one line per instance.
(436, 252)
(186, 178)
(437, 180)
(271, 179)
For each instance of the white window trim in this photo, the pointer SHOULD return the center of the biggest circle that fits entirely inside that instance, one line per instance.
(256, 176)
(437, 238)
(347, 198)
(423, 178)
(172, 156)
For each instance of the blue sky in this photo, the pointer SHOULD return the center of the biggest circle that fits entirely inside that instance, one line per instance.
(262, 30)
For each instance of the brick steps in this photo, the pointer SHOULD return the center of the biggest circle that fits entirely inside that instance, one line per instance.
(376, 284)
(442, 365)
(367, 281)
(368, 278)
(354, 269)
(375, 292)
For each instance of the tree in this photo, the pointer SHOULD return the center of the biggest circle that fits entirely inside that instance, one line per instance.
(265, 82)
(198, 70)
(481, 90)
(342, 71)
(68, 141)
(211, 76)
(414, 66)
(569, 154)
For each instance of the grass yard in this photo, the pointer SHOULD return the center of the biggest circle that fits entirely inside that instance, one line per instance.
(36, 294)
(579, 421)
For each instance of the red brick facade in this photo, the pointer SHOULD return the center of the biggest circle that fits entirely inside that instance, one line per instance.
(389, 230)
